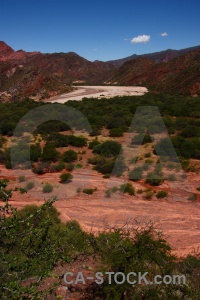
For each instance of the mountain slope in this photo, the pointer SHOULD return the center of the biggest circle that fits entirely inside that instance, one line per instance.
(180, 75)
(162, 56)
(45, 75)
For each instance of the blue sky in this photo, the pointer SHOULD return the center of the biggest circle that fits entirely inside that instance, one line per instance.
(100, 30)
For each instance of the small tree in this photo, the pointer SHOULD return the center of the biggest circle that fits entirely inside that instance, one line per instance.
(47, 188)
(69, 156)
(65, 178)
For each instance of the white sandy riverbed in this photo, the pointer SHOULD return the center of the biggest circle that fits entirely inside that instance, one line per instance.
(99, 92)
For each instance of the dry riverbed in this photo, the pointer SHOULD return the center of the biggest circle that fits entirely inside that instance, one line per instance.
(81, 92)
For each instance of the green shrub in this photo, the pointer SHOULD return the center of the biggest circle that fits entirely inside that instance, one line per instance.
(116, 132)
(89, 191)
(198, 189)
(65, 178)
(136, 174)
(30, 185)
(93, 144)
(154, 179)
(127, 188)
(59, 166)
(149, 195)
(140, 140)
(47, 188)
(79, 166)
(69, 156)
(161, 194)
(50, 153)
(140, 191)
(108, 149)
(21, 178)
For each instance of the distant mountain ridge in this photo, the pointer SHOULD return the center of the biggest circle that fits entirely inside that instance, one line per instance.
(162, 56)
(7, 53)
(39, 75)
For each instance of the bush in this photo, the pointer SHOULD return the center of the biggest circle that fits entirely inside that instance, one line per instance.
(30, 185)
(60, 166)
(161, 194)
(69, 156)
(77, 141)
(116, 132)
(50, 153)
(127, 188)
(154, 179)
(136, 174)
(42, 168)
(21, 178)
(89, 191)
(149, 195)
(171, 177)
(47, 188)
(93, 144)
(65, 178)
(108, 149)
(140, 140)
(35, 152)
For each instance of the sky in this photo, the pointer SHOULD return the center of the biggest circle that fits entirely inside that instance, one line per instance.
(100, 30)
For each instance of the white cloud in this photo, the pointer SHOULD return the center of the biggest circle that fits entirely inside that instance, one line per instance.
(164, 34)
(141, 39)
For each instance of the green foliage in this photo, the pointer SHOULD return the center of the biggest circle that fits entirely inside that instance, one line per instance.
(35, 152)
(116, 132)
(154, 179)
(47, 188)
(161, 194)
(59, 166)
(127, 188)
(30, 185)
(77, 141)
(108, 149)
(148, 195)
(93, 144)
(65, 177)
(69, 156)
(140, 140)
(89, 191)
(136, 174)
(50, 154)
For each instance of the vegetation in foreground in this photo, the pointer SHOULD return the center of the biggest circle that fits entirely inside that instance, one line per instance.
(34, 241)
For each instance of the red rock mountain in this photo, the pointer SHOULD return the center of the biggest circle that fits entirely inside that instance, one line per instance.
(43, 75)
(180, 75)
(38, 75)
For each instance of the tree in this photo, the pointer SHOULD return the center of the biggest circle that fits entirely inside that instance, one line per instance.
(69, 156)
(108, 148)
(50, 153)
(65, 178)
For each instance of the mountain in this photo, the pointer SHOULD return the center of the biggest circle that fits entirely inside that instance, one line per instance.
(162, 56)
(40, 76)
(43, 75)
(7, 53)
(180, 75)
